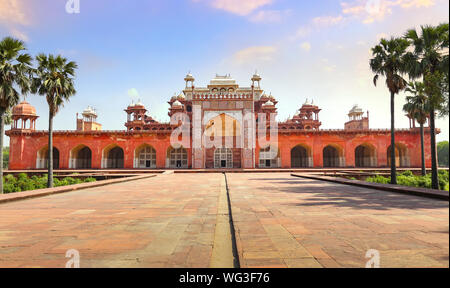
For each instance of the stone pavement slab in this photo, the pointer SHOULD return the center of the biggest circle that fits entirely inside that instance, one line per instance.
(166, 221)
(173, 220)
(283, 221)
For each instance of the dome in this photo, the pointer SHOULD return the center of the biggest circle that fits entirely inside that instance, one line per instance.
(356, 109)
(181, 96)
(189, 77)
(177, 104)
(89, 111)
(256, 77)
(24, 108)
(268, 103)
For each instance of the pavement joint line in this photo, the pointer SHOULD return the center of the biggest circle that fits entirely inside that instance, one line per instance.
(236, 255)
(26, 195)
(223, 253)
(412, 191)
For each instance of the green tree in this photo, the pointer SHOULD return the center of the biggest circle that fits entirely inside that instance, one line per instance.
(443, 151)
(429, 60)
(5, 157)
(416, 108)
(15, 68)
(389, 61)
(54, 79)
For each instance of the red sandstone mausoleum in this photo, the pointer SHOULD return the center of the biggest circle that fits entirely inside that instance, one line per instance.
(218, 111)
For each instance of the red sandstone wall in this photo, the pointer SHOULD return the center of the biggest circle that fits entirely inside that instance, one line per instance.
(23, 149)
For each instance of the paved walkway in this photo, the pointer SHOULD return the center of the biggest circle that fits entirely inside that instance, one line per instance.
(283, 221)
(166, 221)
(170, 221)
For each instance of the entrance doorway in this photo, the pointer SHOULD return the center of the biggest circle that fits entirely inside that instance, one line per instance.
(223, 158)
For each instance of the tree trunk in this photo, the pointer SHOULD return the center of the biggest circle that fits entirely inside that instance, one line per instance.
(2, 132)
(434, 165)
(422, 146)
(50, 150)
(393, 164)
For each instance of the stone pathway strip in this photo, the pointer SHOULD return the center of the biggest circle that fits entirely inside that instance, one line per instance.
(283, 221)
(63, 189)
(422, 192)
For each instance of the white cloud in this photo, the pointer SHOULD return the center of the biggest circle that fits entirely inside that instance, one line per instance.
(254, 54)
(270, 16)
(306, 46)
(318, 23)
(16, 33)
(239, 7)
(327, 66)
(12, 11)
(327, 21)
(14, 17)
(382, 36)
(370, 11)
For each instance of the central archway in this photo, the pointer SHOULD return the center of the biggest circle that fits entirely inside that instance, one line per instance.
(301, 157)
(223, 158)
(365, 156)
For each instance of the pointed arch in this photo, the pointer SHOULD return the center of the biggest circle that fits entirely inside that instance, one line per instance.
(333, 156)
(365, 156)
(301, 156)
(113, 157)
(145, 157)
(177, 158)
(80, 157)
(42, 158)
(401, 155)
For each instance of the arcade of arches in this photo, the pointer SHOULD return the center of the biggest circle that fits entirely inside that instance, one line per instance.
(301, 156)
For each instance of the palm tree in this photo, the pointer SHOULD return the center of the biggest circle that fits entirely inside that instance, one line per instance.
(389, 61)
(430, 56)
(54, 79)
(416, 107)
(15, 68)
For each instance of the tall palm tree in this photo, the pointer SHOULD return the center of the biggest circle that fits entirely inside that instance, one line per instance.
(54, 79)
(389, 61)
(430, 56)
(15, 68)
(416, 107)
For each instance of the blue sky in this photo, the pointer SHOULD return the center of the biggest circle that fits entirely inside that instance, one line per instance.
(303, 49)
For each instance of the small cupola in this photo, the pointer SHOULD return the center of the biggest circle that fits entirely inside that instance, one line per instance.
(24, 117)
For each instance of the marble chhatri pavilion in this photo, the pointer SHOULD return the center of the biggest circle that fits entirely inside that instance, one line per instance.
(146, 143)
